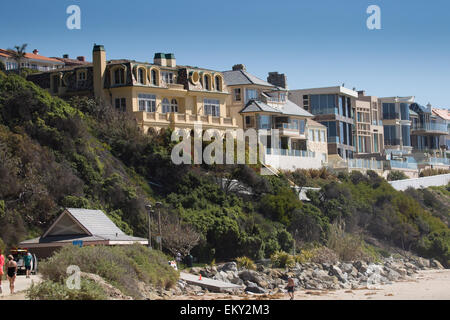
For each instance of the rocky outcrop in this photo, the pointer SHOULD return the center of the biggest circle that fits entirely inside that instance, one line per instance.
(314, 276)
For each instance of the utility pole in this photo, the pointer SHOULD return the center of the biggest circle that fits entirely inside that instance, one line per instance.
(158, 205)
(149, 213)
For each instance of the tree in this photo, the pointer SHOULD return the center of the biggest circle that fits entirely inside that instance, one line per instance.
(178, 237)
(18, 54)
(2, 66)
(396, 175)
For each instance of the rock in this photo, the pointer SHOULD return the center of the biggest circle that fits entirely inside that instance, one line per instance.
(196, 270)
(254, 288)
(393, 275)
(337, 272)
(361, 266)
(346, 267)
(229, 266)
(436, 264)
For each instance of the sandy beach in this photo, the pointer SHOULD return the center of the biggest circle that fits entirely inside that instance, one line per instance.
(425, 285)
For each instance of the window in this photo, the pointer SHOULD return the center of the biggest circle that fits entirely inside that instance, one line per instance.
(311, 134)
(141, 76)
(211, 107)
(237, 94)
(404, 111)
(165, 105)
(247, 120)
(302, 126)
(174, 105)
(389, 111)
(206, 83)
(154, 77)
(218, 83)
(265, 122)
(167, 76)
(147, 102)
(121, 104)
(119, 76)
(251, 94)
(316, 135)
(324, 104)
(82, 76)
(322, 136)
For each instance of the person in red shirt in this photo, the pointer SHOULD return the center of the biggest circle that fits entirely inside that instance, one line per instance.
(2, 263)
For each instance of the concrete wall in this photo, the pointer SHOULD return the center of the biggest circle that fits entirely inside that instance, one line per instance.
(292, 162)
(439, 180)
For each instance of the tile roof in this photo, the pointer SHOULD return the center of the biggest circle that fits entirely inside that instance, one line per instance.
(442, 113)
(239, 77)
(32, 56)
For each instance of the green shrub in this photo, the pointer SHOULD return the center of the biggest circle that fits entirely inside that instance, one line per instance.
(396, 175)
(49, 290)
(281, 259)
(122, 267)
(304, 256)
(246, 263)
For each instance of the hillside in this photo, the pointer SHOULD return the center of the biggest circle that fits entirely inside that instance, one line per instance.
(80, 153)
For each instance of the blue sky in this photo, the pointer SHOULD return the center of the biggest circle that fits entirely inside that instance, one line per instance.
(316, 43)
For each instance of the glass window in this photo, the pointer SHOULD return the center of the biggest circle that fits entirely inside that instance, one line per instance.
(119, 76)
(154, 78)
(389, 111)
(167, 76)
(302, 126)
(311, 134)
(218, 84)
(323, 104)
(406, 136)
(322, 136)
(211, 107)
(237, 94)
(404, 111)
(316, 135)
(206, 82)
(141, 76)
(121, 104)
(147, 102)
(251, 94)
(174, 105)
(265, 122)
(165, 105)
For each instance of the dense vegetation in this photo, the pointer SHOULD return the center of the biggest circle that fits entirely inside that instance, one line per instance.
(81, 153)
(123, 267)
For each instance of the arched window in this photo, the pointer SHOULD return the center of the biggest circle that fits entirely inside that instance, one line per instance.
(119, 76)
(174, 105)
(154, 77)
(206, 83)
(165, 105)
(218, 83)
(141, 76)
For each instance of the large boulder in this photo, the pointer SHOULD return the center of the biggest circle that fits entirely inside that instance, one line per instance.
(229, 266)
(361, 266)
(337, 272)
(254, 288)
(252, 276)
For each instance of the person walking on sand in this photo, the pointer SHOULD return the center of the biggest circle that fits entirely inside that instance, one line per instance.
(2, 263)
(11, 272)
(291, 288)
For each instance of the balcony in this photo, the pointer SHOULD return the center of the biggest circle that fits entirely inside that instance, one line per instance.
(391, 116)
(289, 130)
(402, 165)
(183, 119)
(429, 128)
(392, 142)
(291, 153)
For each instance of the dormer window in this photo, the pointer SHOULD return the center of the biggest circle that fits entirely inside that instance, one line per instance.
(206, 83)
(154, 77)
(119, 76)
(167, 77)
(218, 82)
(141, 76)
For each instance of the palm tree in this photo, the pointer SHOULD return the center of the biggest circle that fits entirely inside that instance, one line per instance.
(18, 54)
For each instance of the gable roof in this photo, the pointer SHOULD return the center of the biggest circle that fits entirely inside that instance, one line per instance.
(240, 77)
(442, 113)
(289, 108)
(93, 222)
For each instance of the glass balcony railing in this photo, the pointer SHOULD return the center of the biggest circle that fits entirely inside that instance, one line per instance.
(390, 116)
(291, 153)
(403, 164)
(437, 161)
(436, 127)
(365, 164)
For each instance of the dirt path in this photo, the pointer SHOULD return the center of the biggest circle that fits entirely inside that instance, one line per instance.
(426, 285)
(22, 284)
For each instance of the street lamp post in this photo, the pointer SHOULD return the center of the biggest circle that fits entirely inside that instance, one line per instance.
(159, 205)
(149, 213)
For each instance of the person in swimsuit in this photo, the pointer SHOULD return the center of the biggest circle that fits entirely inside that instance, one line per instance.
(290, 288)
(11, 272)
(2, 263)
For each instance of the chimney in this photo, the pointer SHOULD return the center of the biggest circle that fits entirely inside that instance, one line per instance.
(99, 62)
(65, 56)
(277, 79)
(237, 67)
(35, 51)
(170, 60)
(81, 58)
(160, 59)
(361, 93)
